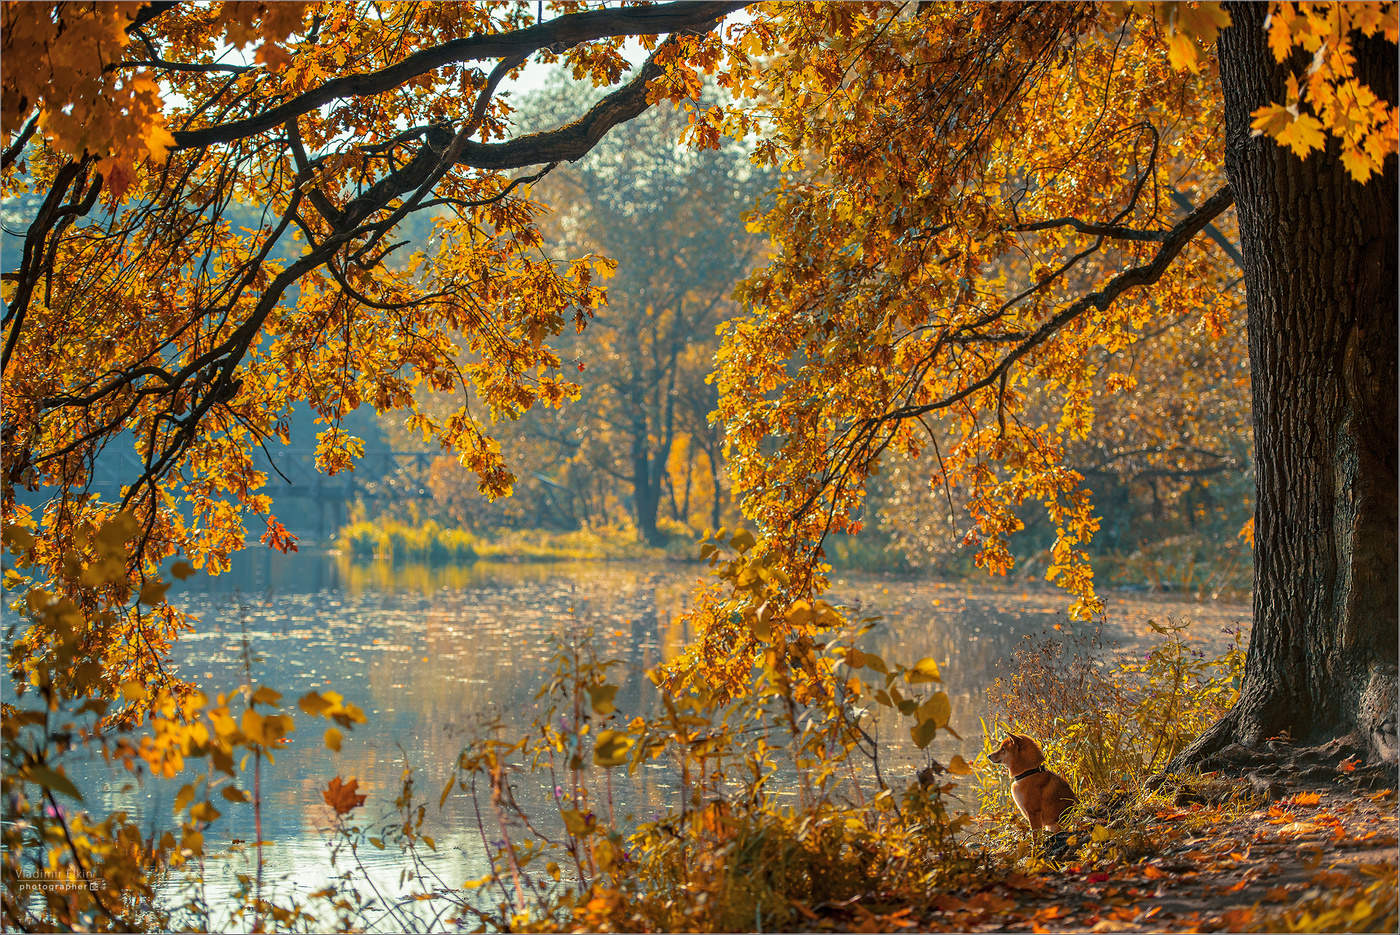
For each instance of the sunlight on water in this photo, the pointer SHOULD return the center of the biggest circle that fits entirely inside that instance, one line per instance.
(435, 656)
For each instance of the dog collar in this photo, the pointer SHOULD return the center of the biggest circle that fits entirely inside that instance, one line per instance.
(1030, 772)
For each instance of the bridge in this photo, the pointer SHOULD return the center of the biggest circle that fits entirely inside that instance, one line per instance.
(319, 501)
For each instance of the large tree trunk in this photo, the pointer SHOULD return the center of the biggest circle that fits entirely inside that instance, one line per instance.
(1320, 279)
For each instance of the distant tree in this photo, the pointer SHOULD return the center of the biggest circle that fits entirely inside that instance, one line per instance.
(672, 216)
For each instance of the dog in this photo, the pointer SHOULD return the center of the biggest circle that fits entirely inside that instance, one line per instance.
(1042, 796)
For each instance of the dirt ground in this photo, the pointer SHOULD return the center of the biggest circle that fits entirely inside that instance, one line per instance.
(1302, 848)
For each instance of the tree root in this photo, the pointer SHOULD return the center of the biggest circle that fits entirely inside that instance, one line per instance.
(1276, 764)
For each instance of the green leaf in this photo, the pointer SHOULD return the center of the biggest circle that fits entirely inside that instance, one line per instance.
(53, 779)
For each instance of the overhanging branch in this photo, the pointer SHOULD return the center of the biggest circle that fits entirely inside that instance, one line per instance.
(567, 30)
(1180, 235)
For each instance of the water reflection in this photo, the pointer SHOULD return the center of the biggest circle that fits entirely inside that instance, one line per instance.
(435, 654)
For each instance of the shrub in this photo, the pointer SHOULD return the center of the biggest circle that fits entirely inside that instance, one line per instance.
(1109, 720)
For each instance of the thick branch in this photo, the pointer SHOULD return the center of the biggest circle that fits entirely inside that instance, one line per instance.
(570, 29)
(1111, 231)
(1180, 236)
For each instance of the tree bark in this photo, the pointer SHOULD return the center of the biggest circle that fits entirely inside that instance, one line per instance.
(1320, 279)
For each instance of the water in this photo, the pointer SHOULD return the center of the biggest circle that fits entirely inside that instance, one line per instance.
(432, 654)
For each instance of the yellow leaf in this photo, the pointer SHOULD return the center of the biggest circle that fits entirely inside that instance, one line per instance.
(575, 822)
(1201, 21)
(333, 738)
(1181, 52)
(937, 709)
(153, 592)
(253, 724)
(314, 704)
(958, 766)
(925, 670)
(1302, 135)
(53, 779)
(610, 749)
(1358, 164)
(265, 695)
(1271, 119)
(923, 732)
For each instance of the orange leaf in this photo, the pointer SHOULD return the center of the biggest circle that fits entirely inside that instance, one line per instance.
(342, 796)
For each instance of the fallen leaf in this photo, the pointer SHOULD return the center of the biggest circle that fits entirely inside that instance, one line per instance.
(342, 796)
(1236, 919)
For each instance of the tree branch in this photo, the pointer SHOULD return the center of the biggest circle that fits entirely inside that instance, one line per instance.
(1112, 231)
(567, 30)
(1180, 236)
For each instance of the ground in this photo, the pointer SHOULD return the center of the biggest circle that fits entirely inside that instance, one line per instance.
(1286, 849)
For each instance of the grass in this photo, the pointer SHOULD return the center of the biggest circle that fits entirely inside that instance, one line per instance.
(431, 543)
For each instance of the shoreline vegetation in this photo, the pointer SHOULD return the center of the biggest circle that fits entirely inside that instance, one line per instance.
(1173, 566)
(432, 543)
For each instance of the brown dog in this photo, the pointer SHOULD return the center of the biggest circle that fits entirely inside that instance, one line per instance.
(1042, 796)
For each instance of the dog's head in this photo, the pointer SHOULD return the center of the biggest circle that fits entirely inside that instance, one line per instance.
(1017, 753)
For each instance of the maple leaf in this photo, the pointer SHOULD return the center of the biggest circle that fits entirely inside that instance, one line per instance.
(1303, 135)
(1359, 163)
(1271, 119)
(341, 796)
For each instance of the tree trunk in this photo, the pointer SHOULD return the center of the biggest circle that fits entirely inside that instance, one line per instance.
(646, 486)
(1320, 280)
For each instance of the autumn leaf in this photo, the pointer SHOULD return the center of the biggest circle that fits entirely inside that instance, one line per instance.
(611, 747)
(937, 709)
(925, 670)
(1302, 135)
(601, 697)
(342, 796)
(277, 537)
